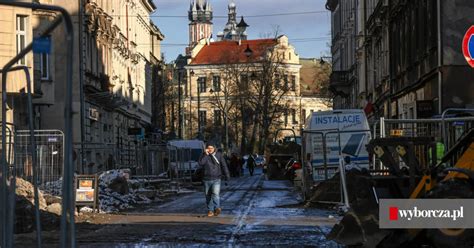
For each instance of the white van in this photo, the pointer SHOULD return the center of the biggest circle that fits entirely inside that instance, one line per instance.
(184, 156)
(350, 125)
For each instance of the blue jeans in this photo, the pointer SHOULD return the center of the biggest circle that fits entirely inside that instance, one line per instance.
(212, 190)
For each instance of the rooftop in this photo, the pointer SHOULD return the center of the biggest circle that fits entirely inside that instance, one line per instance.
(231, 52)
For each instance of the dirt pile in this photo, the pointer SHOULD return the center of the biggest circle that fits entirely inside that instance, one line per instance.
(25, 210)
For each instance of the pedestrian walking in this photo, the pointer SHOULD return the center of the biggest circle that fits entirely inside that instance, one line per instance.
(251, 164)
(234, 165)
(213, 168)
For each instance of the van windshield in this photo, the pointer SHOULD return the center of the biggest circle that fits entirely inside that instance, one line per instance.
(195, 154)
(185, 154)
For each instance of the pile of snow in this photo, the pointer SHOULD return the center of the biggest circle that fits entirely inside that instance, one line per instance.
(112, 201)
(53, 188)
(86, 210)
(116, 191)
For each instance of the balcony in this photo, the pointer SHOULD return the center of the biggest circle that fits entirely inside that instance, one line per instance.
(100, 89)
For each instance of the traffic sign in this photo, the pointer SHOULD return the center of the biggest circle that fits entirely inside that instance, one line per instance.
(468, 46)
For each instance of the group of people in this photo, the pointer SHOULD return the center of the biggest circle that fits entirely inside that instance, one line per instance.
(214, 168)
(236, 165)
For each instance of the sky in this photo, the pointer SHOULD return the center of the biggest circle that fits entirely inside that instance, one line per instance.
(309, 33)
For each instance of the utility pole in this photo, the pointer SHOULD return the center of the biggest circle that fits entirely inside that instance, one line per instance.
(180, 128)
(199, 105)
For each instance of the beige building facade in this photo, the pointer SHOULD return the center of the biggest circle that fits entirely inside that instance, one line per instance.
(16, 32)
(115, 51)
(209, 67)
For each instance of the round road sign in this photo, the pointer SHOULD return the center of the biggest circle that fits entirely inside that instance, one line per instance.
(468, 46)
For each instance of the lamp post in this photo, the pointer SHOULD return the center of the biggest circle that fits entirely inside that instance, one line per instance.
(248, 53)
(180, 110)
(199, 102)
(322, 60)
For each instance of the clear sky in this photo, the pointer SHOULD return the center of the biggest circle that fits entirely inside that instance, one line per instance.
(308, 32)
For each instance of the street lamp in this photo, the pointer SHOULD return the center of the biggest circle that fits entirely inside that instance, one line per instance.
(198, 82)
(248, 53)
(180, 110)
(322, 61)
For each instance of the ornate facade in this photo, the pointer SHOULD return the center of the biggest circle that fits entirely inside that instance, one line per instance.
(118, 53)
(400, 59)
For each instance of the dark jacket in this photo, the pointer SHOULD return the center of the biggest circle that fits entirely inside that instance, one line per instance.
(213, 170)
(251, 161)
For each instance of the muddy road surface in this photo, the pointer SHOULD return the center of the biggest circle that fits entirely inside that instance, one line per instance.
(256, 212)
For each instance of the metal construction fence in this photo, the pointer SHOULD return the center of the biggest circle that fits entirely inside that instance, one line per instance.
(10, 151)
(142, 159)
(49, 155)
(182, 163)
(446, 131)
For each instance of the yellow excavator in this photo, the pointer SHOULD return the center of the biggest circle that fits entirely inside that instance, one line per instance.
(422, 176)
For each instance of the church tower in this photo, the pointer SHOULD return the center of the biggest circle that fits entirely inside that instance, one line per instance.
(200, 22)
(233, 30)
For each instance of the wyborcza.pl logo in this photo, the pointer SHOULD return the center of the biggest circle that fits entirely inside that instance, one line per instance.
(409, 214)
(426, 213)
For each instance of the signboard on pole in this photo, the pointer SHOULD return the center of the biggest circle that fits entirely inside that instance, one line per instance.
(87, 190)
(468, 46)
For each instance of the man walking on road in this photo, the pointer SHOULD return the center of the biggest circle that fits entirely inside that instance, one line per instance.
(214, 168)
(251, 164)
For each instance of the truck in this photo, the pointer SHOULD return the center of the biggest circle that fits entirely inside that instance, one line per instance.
(283, 157)
(332, 135)
(184, 156)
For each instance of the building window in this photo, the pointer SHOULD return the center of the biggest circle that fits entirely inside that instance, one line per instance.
(202, 84)
(287, 83)
(44, 65)
(217, 118)
(202, 118)
(244, 79)
(286, 118)
(277, 81)
(293, 116)
(21, 36)
(216, 83)
(303, 115)
(293, 83)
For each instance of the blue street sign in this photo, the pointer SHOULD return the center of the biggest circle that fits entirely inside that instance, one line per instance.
(42, 45)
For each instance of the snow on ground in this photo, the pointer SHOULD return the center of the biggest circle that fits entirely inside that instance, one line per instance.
(53, 188)
(109, 200)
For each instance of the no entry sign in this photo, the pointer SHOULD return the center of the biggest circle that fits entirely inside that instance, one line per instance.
(468, 46)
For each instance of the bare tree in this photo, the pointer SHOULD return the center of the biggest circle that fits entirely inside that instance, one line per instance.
(322, 80)
(272, 85)
(252, 93)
